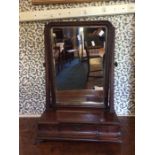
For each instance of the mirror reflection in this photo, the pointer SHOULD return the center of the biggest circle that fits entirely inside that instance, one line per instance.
(79, 54)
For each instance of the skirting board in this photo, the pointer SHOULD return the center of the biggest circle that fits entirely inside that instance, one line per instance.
(77, 12)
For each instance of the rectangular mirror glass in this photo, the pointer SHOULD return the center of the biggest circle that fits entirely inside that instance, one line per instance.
(78, 54)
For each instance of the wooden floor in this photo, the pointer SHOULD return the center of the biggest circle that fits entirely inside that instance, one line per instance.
(27, 138)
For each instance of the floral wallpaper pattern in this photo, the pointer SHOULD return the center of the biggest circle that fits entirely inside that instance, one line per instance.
(31, 55)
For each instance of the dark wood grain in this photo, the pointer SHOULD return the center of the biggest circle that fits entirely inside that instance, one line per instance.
(82, 125)
(28, 133)
(82, 98)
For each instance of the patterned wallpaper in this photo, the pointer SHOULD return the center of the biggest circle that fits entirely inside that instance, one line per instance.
(32, 72)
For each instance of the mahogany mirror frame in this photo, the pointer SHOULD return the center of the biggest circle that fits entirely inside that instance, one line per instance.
(109, 64)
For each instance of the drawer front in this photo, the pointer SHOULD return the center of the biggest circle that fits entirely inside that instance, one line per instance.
(77, 127)
(109, 128)
(109, 131)
(48, 127)
(80, 131)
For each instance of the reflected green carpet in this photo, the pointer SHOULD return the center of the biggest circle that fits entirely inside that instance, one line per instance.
(72, 76)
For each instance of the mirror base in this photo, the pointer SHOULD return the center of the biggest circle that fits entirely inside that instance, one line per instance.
(79, 125)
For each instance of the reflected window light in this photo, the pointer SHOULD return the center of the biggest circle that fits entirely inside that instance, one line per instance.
(78, 37)
(101, 33)
(93, 43)
(81, 29)
(54, 34)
